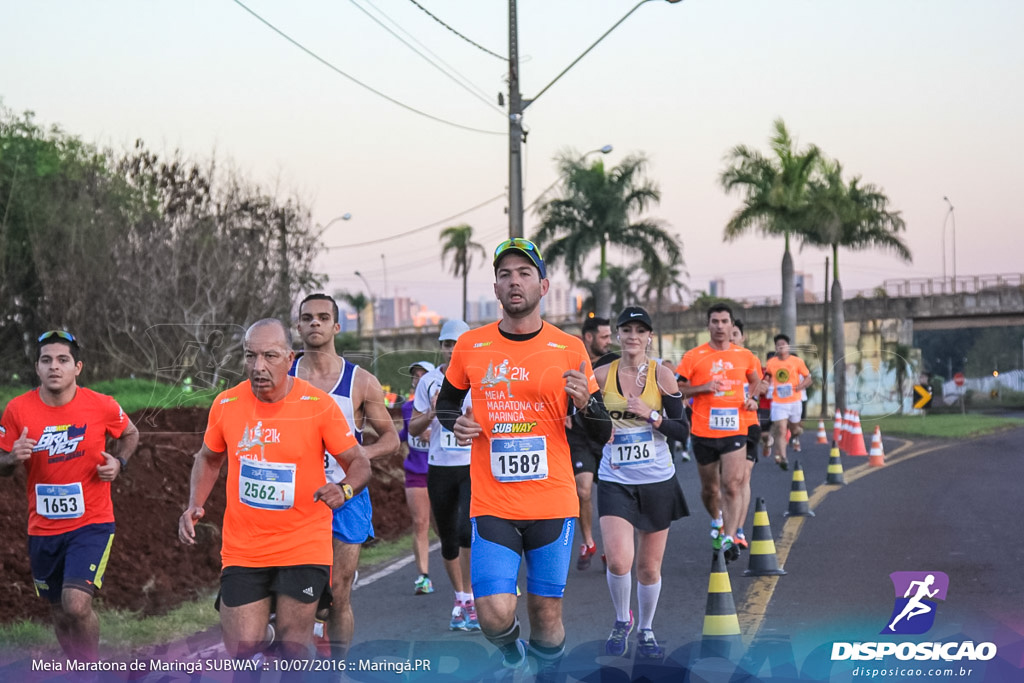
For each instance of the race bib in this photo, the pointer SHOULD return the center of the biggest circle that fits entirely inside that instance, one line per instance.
(520, 459)
(633, 446)
(267, 485)
(450, 444)
(418, 444)
(784, 390)
(60, 501)
(724, 419)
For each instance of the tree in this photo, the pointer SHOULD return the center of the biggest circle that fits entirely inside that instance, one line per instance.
(774, 194)
(854, 216)
(358, 302)
(457, 242)
(598, 208)
(663, 277)
(620, 289)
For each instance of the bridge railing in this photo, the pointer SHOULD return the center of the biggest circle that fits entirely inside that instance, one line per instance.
(963, 284)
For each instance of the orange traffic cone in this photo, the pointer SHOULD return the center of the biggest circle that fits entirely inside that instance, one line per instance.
(822, 436)
(856, 442)
(876, 458)
(837, 428)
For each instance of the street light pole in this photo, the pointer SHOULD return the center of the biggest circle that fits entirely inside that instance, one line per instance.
(949, 214)
(516, 106)
(373, 327)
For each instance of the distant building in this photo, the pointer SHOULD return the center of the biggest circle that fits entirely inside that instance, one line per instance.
(716, 288)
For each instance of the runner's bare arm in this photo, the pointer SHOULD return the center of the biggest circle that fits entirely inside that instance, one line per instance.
(357, 475)
(419, 422)
(205, 470)
(124, 446)
(20, 452)
(376, 413)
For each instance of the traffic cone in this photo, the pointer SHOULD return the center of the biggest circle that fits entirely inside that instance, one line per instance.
(856, 445)
(721, 635)
(822, 437)
(835, 467)
(763, 561)
(798, 506)
(837, 428)
(876, 458)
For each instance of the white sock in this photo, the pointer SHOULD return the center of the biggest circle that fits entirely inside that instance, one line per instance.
(463, 597)
(647, 601)
(620, 587)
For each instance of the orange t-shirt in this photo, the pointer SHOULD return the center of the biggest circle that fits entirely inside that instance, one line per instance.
(275, 455)
(748, 418)
(64, 491)
(786, 374)
(721, 414)
(520, 467)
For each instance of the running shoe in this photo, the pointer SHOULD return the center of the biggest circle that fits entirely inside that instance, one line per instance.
(647, 646)
(741, 539)
(782, 463)
(618, 640)
(731, 550)
(459, 621)
(586, 556)
(716, 527)
(794, 443)
(469, 611)
(423, 585)
(517, 661)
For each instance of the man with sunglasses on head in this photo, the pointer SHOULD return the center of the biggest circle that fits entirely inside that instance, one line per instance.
(524, 376)
(58, 431)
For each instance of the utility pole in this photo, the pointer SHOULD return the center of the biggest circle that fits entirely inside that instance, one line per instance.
(515, 129)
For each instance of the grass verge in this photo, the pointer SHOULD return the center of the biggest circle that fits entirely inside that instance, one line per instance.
(939, 426)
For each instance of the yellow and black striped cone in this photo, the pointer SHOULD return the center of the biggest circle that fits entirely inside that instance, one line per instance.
(721, 636)
(763, 561)
(835, 467)
(798, 506)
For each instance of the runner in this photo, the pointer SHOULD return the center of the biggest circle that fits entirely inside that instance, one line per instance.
(361, 399)
(790, 376)
(448, 483)
(638, 489)
(58, 431)
(714, 374)
(525, 376)
(749, 418)
(764, 413)
(276, 550)
(416, 498)
(597, 338)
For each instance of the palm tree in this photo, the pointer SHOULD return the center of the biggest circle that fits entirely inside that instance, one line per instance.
(458, 242)
(663, 277)
(854, 216)
(620, 289)
(774, 201)
(598, 208)
(358, 302)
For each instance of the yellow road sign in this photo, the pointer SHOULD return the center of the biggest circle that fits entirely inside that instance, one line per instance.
(924, 396)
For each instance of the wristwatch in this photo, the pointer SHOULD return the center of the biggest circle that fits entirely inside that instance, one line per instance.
(653, 417)
(124, 462)
(346, 491)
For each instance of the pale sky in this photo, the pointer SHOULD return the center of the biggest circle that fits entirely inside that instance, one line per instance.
(922, 98)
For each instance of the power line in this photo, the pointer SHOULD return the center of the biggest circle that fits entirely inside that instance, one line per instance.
(419, 229)
(338, 71)
(471, 42)
(465, 83)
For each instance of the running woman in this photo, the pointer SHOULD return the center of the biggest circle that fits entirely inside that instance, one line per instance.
(58, 432)
(637, 489)
(448, 484)
(416, 498)
(524, 376)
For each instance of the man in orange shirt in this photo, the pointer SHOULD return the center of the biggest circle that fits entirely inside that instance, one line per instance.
(58, 432)
(524, 377)
(716, 374)
(790, 376)
(273, 431)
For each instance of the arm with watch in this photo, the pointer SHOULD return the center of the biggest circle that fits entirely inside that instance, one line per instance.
(357, 476)
(123, 448)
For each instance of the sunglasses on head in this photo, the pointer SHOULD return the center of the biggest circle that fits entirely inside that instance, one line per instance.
(517, 243)
(60, 334)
